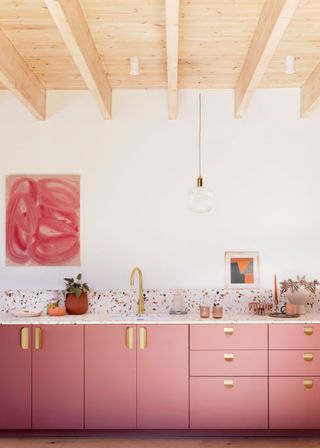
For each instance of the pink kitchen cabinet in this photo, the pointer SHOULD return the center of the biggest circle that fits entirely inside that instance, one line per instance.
(162, 381)
(294, 402)
(294, 363)
(228, 403)
(58, 377)
(136, 377)
(226, 363)
(110, 377)
(228, 376)
(294, 337)
(229, 337)
(15, 377)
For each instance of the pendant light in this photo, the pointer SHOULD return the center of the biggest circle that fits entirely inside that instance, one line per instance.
(200, 199)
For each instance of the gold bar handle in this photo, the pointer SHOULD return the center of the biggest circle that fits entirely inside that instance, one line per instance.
(228, 330)
(228, 384)
(24, 338)
(228, 357)
(308, 331)
(308, 357)
(308, 384)
(143, 338)
(37, 338)
(129, 338)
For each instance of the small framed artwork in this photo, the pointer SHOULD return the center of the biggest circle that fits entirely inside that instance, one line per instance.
(242, 270)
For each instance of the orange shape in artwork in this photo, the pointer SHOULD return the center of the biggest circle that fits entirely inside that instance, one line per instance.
(242, 263)
(248, 278)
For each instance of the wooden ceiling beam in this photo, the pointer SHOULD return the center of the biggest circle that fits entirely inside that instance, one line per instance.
(69, 18)
(16, 76)
(273, 21)
(172, 38)
(310, 93)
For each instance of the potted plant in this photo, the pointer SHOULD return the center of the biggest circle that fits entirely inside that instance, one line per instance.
(76, 295)
(299, 291)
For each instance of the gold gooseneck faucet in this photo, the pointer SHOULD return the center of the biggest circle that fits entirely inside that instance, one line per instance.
(141, 298)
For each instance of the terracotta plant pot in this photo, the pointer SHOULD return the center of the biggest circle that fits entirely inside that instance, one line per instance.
(76, 305)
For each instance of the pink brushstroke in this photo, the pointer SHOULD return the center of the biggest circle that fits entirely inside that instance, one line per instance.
(43, 220)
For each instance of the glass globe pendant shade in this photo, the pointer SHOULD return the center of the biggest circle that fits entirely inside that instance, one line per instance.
(200, 199)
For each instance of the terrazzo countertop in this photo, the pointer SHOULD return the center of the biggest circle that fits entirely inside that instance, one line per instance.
(156, 318)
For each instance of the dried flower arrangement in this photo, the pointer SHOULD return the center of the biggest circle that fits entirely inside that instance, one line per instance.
(301, 282)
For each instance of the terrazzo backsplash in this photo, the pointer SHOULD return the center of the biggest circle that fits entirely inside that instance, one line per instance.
(156, 300)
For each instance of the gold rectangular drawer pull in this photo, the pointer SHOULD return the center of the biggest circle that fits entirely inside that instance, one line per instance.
(37, 338)
(228, 357)
(129, 338)
(24, 338)
(228, 330)
(143, 338)
(308, 356)
(228, 383)
(308, 384)
(308, 331)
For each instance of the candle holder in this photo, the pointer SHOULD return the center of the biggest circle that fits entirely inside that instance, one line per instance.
(217, 312)
(260, 308)
(204, 311)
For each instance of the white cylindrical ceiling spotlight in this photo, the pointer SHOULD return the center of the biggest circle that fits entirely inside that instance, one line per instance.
(134, 66)
(290, 65)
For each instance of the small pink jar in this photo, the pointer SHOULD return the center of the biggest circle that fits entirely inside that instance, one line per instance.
(204, 311)
(217, 312)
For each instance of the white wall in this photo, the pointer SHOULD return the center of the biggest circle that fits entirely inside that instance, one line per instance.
(136, 171)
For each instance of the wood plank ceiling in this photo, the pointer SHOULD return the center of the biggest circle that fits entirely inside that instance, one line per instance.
(214, 40)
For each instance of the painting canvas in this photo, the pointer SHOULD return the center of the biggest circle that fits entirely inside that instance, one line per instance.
(43, 220)
(242, 269)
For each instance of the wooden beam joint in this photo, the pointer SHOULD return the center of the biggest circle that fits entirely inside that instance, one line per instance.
(273, 21)
(70, 19)
(16, 76)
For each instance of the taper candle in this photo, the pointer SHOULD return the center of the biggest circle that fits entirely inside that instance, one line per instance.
(275, 290)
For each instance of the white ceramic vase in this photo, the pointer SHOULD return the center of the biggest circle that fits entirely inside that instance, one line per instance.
(299, 298)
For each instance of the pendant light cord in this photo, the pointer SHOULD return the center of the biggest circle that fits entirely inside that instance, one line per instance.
(200, 135)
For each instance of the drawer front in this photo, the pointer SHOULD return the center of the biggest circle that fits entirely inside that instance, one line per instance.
(223, 363)
(292, 405)
(230, 337)
(294, 336)
(294, 363)
(216, 405)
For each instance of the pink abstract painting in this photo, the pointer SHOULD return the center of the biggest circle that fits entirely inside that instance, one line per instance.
(43, 220)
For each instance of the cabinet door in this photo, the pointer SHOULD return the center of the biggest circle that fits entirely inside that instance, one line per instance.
(229, 337)
(162, 382)
(229, 403)
(110, 377)
(294, 337)
(294, 363)
(234, 363)
(15, 377)
(57, 377)
(294, 403)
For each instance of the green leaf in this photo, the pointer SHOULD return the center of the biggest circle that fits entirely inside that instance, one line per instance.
(79, 277)
(68, 280)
